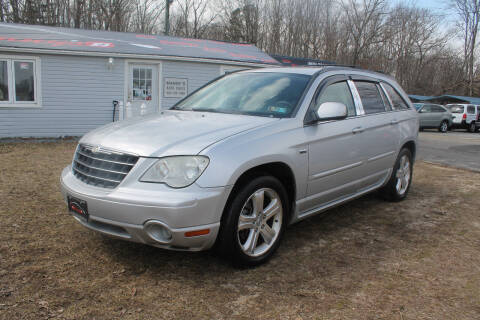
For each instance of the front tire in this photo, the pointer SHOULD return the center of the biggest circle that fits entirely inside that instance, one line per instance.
(254, 221)
(399, 184)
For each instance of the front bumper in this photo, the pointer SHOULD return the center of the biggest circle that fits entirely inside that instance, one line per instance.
(124, 211)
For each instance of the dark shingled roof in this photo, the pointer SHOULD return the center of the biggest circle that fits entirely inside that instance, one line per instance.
(79, 40)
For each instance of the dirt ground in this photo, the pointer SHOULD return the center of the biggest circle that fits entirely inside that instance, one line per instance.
(369, 259)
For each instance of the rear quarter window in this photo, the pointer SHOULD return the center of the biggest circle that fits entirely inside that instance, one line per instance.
(471, 109)
(397, 100)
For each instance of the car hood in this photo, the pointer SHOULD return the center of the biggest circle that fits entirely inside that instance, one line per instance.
(171, 132)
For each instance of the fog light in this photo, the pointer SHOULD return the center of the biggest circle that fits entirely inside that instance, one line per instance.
(158, 231)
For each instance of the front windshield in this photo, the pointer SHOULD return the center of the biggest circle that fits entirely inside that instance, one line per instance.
(418, 105)
(455, 108)
(268, 94)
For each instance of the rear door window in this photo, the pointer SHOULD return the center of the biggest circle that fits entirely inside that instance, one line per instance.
(397, 100)
(371, 99)
(387, 104)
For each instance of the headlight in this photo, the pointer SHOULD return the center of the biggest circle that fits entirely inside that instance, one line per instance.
(176, 172)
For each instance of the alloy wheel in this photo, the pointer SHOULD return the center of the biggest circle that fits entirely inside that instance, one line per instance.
(260, 222)
(444, 127)
(403, 175)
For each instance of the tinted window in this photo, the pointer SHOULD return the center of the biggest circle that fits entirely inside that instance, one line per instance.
(337, 92)
(386, 103)
(397, 101)
(253, 93)
(471, 109)
(371, 98)
(437, 109)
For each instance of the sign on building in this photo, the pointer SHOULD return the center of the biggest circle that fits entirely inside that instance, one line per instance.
(175, 87)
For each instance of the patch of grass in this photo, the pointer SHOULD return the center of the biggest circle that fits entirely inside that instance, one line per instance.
(369, 259)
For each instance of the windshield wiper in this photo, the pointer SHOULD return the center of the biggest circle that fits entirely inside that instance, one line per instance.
(180, 109)
(207, 110)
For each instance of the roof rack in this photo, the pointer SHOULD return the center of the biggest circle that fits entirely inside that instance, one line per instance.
(327, 65)
(338, 65)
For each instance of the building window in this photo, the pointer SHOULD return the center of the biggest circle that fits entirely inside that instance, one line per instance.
(4, 81)
(19, 82)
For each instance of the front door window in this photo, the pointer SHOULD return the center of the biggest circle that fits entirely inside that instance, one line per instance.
(142, 83)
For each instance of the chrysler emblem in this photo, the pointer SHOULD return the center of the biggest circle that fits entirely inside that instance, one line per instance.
(96, 149)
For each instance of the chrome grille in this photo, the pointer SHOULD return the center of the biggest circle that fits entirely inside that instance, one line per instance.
(101, 167)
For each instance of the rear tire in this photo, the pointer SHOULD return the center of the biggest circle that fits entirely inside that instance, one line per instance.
(254, 221)
(443, 126)
(399, 184)
(472, 127)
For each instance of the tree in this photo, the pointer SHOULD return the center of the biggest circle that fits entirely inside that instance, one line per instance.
(469, 11)
(364, 22)
(192, 18)
(146, 16)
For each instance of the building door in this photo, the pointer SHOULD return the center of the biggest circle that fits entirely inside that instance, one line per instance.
(142, 90)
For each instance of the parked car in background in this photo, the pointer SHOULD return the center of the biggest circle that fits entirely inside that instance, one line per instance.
(235, 162)
(434, 116)
(465, 116)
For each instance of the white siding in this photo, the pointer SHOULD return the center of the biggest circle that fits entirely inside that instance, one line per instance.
(77, 95)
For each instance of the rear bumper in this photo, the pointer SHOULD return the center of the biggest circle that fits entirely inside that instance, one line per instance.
(124, 212)
(459, 125)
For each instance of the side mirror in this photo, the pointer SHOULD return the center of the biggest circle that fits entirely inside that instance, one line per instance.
(332, 111)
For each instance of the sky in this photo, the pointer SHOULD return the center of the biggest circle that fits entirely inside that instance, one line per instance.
(431, 4)
(443, 9)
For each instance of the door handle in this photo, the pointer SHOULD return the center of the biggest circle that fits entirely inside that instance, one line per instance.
(394, 121)
(357, 130)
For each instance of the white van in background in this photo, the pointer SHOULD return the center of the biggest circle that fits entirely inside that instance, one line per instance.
(464, 116)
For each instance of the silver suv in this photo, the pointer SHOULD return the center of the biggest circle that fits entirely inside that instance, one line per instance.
(235, 162)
